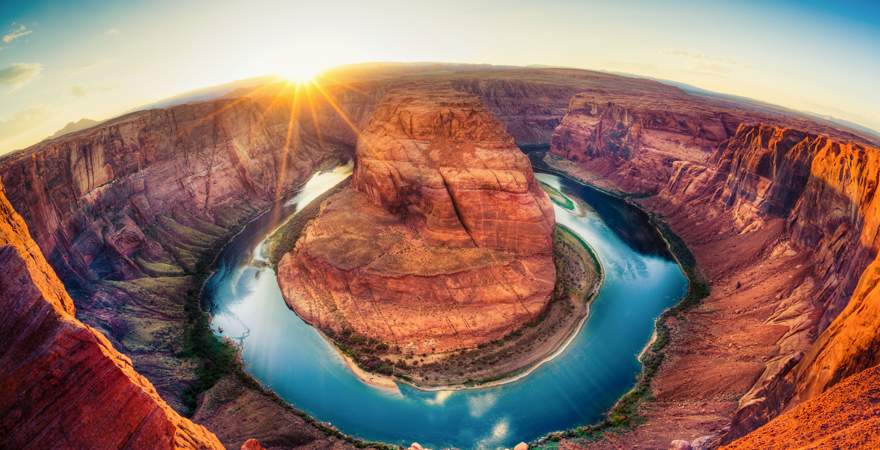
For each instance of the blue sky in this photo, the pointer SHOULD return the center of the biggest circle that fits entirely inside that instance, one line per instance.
(61, 61)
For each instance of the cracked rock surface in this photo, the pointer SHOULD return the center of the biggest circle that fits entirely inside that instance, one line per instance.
(444, 239)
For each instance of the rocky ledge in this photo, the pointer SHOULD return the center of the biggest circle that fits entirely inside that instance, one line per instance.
(49, 361)
(443, 242)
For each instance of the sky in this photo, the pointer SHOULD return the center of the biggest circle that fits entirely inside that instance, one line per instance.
(61, 61)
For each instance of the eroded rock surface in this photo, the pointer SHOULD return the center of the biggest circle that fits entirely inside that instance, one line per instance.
(63, 384)
(845, 416)
(443, 241)
(782, 224)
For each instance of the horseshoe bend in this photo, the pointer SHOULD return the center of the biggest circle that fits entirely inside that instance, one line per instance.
(438, 255)
(443, 241)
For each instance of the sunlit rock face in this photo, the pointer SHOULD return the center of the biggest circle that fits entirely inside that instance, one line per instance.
(444, 239)
(64, 385)
(781, 217)
(845, 416)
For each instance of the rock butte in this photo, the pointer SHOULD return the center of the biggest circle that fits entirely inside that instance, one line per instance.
(442, 242)
(779, 209)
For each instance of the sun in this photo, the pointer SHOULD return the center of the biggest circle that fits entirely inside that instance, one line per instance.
(300, 73)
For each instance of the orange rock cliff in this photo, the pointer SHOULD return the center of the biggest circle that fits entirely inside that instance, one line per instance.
(779, 210)
(783, 224)
(444, 239)
(50, 361)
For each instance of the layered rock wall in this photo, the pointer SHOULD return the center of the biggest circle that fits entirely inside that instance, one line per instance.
(63, 384)
(443, 241)
(764, 200)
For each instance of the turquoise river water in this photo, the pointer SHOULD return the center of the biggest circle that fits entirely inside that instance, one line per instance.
(575, 388)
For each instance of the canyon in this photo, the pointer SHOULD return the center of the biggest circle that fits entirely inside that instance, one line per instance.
(778, 209)
(782, 224)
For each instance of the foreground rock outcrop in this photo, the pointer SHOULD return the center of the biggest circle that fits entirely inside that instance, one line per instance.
(63, 384)
(845, 416)
(443, 241)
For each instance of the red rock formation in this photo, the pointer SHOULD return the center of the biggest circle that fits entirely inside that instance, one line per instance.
(845, 416)
(840, 217)
(158, 191)
(781, 222)
(155, 193)
(639, 134)
(252, 444)
(444, 240)
(62, 385)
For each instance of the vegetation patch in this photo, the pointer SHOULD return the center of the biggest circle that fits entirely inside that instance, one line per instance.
(557, 197)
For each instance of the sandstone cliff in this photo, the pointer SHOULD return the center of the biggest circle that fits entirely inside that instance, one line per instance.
(782, 223)
(845, 416)
(444, 240)
(63, 384)
(131, 211)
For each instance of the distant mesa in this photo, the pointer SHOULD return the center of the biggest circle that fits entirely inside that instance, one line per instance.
(73, 127)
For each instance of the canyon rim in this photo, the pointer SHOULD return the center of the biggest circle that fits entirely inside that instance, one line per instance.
(483, 254)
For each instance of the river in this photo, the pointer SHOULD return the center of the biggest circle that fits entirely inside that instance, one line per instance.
(576, 388)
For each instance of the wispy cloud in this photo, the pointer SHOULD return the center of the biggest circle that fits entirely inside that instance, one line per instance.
(16, 33)
(17, 75)
(78, 91)
(439, 398)
(481, 404)
(499, 432)
(706, 64)
(112, 32)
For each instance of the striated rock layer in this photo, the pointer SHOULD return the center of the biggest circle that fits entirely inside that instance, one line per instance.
(444, 239)
(783, 224)
(63, 384)
(130, 212)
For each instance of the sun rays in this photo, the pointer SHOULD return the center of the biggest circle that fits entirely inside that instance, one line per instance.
(308, 103)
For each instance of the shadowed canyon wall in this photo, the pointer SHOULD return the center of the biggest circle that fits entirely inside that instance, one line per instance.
(50, 361)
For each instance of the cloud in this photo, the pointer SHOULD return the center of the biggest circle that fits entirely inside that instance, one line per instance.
(19, 74)
(480, 404)
(16, 33)
(112, 32)
(499, 432)
(706, 64)
(22, 121)
(78, 90)
(439, 398)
